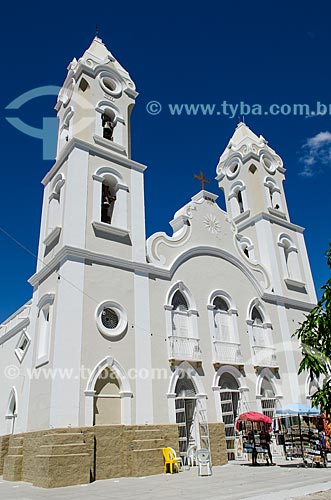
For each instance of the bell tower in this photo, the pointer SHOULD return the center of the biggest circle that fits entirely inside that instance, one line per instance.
(96, 100)
(92, 227)
(251, 175)
(93, 195)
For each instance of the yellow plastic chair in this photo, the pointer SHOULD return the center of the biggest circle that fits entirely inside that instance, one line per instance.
(170, 458)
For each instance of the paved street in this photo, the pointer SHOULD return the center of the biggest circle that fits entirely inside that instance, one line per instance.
(234, 481)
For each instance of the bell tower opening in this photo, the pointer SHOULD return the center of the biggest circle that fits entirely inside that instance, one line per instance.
(108, 124)
(108, 200)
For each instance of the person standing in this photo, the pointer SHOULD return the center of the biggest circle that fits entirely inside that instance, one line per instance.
(265, 440)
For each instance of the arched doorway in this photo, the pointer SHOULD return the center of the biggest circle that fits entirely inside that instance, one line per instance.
(108, 381)
(185, 405)
(229, 400)
(107, 399)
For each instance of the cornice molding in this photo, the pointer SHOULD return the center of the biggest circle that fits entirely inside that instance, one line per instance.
(281, 300)
(94, 149)
(69, 252)
(15, 330)
(53, 236)
(270, 218)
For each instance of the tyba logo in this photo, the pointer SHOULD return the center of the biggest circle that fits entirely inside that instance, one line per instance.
(48, 132)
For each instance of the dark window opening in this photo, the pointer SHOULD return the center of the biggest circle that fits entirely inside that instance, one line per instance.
(108, 124)
(240, 202)
(256, 316)
(220, 304)
(107, 203)
(83, 85)
(178, 302)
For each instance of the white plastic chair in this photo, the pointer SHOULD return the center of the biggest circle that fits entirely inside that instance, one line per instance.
(192, 456)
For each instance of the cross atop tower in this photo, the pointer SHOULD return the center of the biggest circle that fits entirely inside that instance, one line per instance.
(202, 179)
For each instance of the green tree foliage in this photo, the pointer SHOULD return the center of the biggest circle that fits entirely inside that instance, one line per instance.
(315, 337)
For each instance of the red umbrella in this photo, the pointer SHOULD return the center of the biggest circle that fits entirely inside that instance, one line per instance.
(254, 416)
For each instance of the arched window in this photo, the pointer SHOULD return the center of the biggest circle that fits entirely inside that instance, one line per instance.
(54, 208)
(107, 399)
(111, 126)
(240, 201)
(289, 256)
(181, 321)
(260, 334)
(110, 203)
(11, 413)
(44, 331)
(229, 400)
(256, 316)
(221, 320)
(237, 199)
(224, 330)
(65, 129)
(108, 118)
(268, 398)
(273, 194)
(108, 199)
(180, 315)
(247, 247)
(45, 306)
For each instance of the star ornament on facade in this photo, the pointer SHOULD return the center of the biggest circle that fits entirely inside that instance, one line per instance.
(212, 224)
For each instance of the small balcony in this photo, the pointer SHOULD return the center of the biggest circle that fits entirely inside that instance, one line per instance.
(227, 353)
(184, 348)
(265, 357)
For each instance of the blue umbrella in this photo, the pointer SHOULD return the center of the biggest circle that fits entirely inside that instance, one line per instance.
(298, 409)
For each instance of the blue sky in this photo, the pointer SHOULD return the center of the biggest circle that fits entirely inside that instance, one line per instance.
(175, 53)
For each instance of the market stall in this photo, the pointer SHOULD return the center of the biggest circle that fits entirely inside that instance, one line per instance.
(302, 433)
(254, 429)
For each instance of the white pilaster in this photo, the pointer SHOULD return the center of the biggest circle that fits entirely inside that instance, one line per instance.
(74, 220)
(143, 354)
(292, 369)
(138, 217)
(65, 394)
(267, 251)
(308, 278)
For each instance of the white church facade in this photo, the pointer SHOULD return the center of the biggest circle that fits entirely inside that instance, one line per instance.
(124, 331)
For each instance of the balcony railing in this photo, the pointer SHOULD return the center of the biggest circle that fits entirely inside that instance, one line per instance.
(265, 356)
(227, 352)
(184, 348)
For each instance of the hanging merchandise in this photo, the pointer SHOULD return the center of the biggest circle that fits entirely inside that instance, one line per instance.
(301, 431)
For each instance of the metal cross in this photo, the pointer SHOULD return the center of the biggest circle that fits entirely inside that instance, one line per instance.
(202, 179)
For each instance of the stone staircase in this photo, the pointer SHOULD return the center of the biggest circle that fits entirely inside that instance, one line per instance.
(64, 459)
(12, 470)
(145, 456)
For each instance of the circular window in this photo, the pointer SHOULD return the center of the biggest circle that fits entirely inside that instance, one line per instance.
(110, 84)
(268, 163)
(232, 167)
(111, 319)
